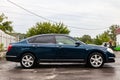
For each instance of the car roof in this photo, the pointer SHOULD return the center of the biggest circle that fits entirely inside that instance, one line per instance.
(55, 34)
(48, 35)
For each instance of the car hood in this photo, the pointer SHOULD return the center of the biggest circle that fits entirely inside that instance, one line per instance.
(92, 46)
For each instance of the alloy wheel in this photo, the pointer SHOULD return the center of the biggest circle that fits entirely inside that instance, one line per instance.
(96, 60)
(27, 61)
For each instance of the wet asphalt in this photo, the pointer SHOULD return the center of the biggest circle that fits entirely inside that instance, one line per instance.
(13, 71)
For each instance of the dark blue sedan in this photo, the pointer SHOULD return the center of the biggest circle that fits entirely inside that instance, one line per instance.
(57, 48)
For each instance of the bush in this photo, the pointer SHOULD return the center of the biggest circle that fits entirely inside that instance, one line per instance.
(1, 47)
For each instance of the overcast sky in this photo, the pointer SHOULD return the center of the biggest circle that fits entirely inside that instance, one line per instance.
(91, 17)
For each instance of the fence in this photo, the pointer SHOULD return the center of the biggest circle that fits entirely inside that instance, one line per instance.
(6, 39)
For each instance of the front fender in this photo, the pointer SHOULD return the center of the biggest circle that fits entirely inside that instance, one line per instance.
(96, 50)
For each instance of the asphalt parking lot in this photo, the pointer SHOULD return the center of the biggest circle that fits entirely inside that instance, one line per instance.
(13, 71)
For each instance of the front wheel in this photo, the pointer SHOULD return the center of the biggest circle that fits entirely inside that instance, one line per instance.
(28, 60)
(96, 60)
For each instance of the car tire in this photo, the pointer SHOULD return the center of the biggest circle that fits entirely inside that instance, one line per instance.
(28, 61)
(96, 60)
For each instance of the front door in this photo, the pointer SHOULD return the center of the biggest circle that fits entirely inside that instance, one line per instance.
(68, 51)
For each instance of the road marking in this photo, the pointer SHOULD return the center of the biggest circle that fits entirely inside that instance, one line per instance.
(51, 77)
(73, 71)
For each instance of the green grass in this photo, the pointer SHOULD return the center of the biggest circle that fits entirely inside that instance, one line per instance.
(117, 48)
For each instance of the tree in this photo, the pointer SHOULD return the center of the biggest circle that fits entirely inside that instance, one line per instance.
(47, 27)
(107, 36)
(104, 37)
(5, 25)
(112, 30)
(86, 39)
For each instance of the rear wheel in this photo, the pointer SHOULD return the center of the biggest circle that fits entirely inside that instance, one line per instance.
(96, 60)
(28, 60)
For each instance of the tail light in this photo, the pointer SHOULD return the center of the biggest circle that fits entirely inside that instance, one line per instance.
(9, 47)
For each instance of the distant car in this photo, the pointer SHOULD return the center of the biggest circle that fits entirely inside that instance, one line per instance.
(57, 48)
(105, 44)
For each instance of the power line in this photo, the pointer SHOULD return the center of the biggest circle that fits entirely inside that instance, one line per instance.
(54, 11)
(30, 11)
(16, 13)
(49, 19)
(89, 29)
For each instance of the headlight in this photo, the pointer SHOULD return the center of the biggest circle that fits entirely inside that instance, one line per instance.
(110, 50)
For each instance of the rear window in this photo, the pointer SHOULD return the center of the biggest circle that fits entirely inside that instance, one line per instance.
(42, 39)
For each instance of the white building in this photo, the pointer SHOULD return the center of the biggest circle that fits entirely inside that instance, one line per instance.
(118, 36)
(6, 39)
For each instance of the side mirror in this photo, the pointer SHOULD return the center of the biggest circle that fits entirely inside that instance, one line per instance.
(77, 43)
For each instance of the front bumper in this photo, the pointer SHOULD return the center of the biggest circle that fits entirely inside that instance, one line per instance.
(111, 59)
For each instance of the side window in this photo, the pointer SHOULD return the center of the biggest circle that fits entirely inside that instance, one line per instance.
(31, 40)
(64, 40)
(42, 39)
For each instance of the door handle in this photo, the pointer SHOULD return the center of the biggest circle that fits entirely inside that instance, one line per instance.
(59, 46)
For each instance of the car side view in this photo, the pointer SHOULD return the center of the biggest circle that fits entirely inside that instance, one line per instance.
(57, 48)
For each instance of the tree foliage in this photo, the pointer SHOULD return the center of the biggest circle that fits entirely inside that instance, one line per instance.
(47, 27)
(1, 47)
(107, 36)
(5, 25)
(112, 30)
(86, 39)
(104, 37)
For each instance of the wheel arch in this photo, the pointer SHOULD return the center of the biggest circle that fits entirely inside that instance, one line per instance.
(25, 52)
(93, 51)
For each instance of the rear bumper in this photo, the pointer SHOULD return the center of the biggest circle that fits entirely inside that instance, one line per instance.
(12, 58)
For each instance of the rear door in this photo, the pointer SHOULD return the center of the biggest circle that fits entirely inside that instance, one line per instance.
(44, 47)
